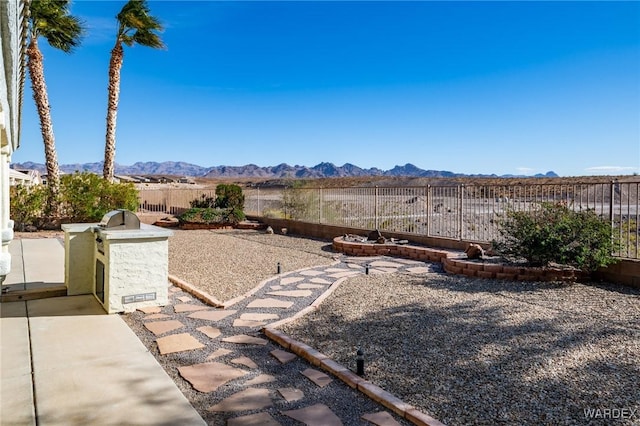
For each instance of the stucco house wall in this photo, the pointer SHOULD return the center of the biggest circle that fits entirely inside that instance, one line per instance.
(13, 32)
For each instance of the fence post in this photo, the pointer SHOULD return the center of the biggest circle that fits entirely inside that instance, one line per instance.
(375, 207)
(460, 214)
(320, 205)
(428, 210)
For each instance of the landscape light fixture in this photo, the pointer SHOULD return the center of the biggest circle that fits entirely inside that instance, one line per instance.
(360, 362)
(279, 268)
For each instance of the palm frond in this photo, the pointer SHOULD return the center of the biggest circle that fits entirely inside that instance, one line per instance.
(52, 20)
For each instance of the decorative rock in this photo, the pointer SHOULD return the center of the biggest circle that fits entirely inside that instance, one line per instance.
(209, 376)
(474, 251)
(269, 230)
(185, 299)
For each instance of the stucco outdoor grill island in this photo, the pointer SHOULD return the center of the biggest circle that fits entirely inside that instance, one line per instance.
(119, 260)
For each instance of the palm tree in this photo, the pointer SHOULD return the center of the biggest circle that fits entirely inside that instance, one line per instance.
(135, 26)
(51, 20)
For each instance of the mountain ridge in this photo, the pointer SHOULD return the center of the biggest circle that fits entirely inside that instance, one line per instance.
(283, 170)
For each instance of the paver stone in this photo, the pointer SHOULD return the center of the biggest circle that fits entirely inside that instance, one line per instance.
(317, 377)
(248, 399)
(218, 353)
(283, 356)
(212, 314)
(315, 415)
(209, 376)
(270, 303)
(177, 343)
(188, 307)
(246, 361)
(161, 327)
(258, 419)
(211, 332)
(291, 293)
(291, 394)
(381, 418)
(243, 339)
(260, 379)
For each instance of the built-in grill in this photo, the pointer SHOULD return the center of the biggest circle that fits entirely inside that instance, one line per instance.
(129, 261)
(115, 220)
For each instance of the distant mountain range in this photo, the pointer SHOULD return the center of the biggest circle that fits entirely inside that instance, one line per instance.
(322, 170)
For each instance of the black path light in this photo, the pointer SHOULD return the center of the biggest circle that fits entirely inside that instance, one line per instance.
(366, 269)
(360, 362)
(279, 268)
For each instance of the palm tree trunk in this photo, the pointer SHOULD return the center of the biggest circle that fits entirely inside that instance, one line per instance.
(39, 88)
(115, 65)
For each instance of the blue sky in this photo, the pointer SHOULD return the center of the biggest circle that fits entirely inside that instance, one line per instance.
(469, 87)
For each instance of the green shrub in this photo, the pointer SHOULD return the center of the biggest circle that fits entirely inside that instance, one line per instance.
(27, 204)
(203, 202)
(86, 197)
(211, 216)
(555, 233)
(229, 197)
(227, 207)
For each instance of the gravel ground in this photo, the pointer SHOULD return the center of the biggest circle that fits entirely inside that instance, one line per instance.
(485, 352)
(228, 263)
(468, 351)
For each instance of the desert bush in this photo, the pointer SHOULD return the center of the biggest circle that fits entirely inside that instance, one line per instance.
(203, 202)
(27, 204)
(555, 233)
(229, 197)
(211, 216)
(86, 197)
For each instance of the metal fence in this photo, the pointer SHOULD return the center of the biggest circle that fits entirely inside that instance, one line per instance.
(469, 213)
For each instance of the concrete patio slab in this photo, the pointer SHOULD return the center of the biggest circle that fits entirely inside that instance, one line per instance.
(43, 260)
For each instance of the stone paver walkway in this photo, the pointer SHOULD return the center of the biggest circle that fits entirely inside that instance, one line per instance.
(234, 375)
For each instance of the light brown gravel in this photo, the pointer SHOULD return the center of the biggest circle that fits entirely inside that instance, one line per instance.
(228, 263)
(487, 352)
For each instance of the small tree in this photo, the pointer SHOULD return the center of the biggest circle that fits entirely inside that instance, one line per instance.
(555, 233)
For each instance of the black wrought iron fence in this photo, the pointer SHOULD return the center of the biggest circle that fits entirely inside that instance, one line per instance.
(469, 213)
